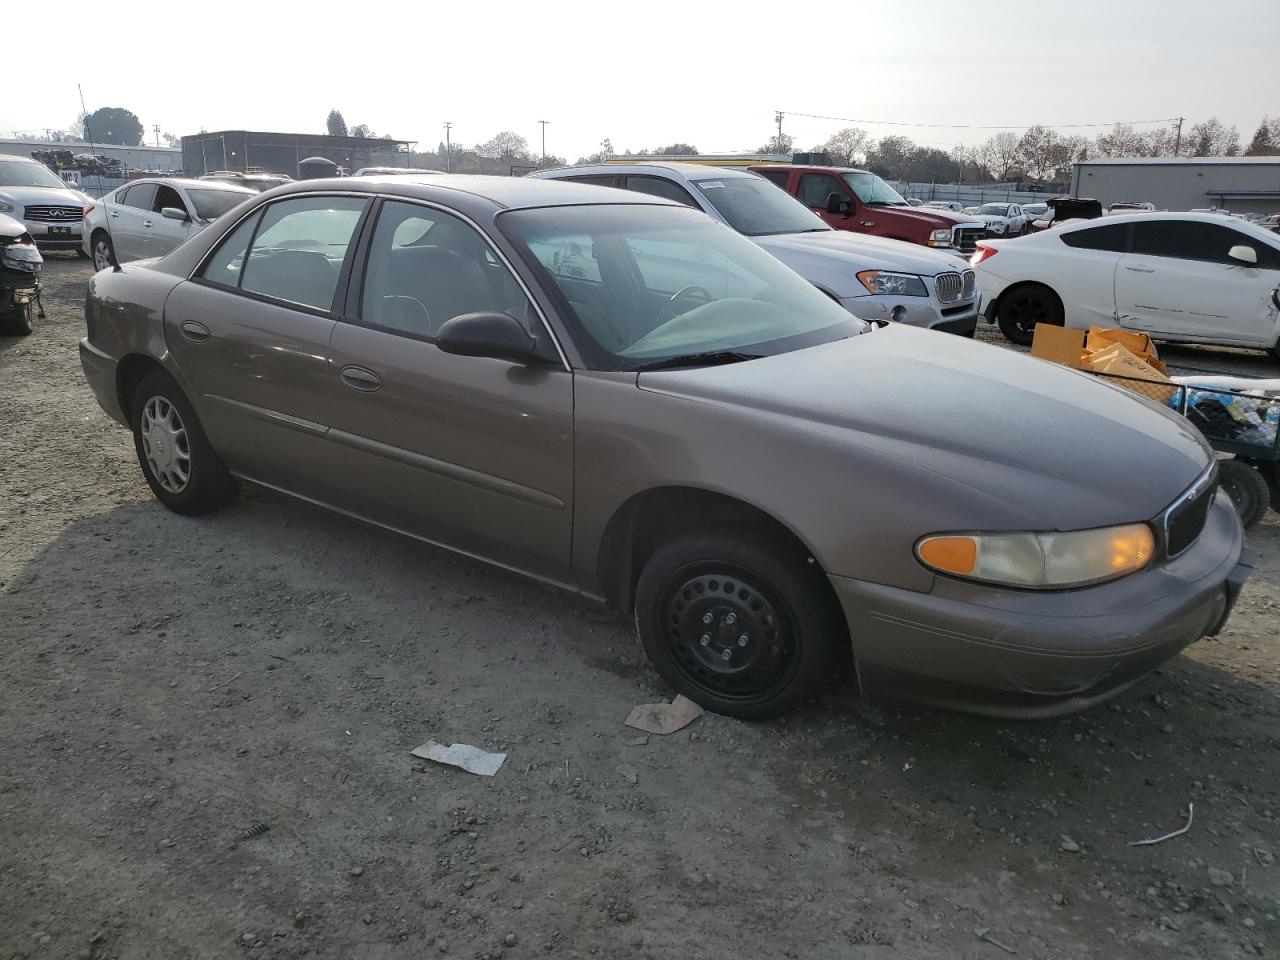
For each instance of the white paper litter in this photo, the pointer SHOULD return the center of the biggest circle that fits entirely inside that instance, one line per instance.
(469, 758)
(664, 718)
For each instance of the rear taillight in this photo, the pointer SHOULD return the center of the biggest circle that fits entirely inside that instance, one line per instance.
(982, 252)
(87, 208)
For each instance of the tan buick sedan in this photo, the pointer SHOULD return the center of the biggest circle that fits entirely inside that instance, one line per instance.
(615, 394)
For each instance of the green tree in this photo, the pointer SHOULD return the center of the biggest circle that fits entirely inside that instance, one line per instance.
(779, 143)
(1266, 139)
(114, 125)
(676, 150)
(335, 125)
(361, 130)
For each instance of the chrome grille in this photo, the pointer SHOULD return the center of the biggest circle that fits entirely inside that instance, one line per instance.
(953, 287)
(1185, 519)
(965, 239)
(54, 214)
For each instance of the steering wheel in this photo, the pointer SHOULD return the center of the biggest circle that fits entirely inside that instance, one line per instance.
(668, 311)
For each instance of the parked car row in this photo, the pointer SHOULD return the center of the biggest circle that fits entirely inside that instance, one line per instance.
(613, 392)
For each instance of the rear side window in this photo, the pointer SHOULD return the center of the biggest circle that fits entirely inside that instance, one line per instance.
(597, 181)
(657, 187)
(777, 177)
(1114, 238)
(298, 252)
(140, 196)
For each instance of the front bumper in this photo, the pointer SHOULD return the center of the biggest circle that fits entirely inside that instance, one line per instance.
(961, 318)
(1036, 654)
(55, 239)
(100, 372)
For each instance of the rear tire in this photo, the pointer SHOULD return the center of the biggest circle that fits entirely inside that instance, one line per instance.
(740, 623)
(1247, 488)
(16, 322)
(180, 465)
(1023, 307)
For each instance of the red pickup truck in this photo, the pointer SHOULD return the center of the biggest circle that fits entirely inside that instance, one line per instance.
(858, 200)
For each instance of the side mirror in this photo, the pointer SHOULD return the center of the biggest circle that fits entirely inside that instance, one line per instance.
(496, 335)
(837, 204)
(1243, 254)
(174, 213)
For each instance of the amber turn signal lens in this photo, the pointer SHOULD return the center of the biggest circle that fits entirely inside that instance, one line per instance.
(958, 555)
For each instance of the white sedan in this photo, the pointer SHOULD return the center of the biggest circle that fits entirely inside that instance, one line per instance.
(148, 218)
(1186, 277)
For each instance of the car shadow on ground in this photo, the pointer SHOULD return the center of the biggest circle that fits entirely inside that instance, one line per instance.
(275, 661)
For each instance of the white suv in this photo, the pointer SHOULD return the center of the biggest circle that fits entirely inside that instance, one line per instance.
(36, 197)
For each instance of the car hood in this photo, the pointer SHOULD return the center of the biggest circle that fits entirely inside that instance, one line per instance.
(22, 196)
(862, 252)
(11, 229)
(930, 216)
(1062, 450)
(992, 217)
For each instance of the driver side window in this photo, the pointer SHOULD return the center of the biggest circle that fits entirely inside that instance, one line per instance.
(166, 196)
(814, 188)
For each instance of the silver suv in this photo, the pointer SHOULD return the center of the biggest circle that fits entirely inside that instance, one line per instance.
(32, 194)
(872, 277)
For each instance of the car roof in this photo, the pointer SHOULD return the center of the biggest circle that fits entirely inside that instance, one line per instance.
(192, 182)
(687, 171)
(808, 166)
(511, 193)
(1146, 216)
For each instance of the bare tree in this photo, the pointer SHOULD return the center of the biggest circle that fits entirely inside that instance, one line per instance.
(505, 145)
(1213, 138)
(779, 143)
(362, 130)
(844, 145)
(999, 154)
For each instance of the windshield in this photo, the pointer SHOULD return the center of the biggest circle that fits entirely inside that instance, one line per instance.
(994, 209)
(15, 173)
(211, 204)
(754, 206)
(869, 188)
(641, 283)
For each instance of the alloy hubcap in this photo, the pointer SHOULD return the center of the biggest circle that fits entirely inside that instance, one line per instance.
(728, 634)
(101, 255)
(164, 444)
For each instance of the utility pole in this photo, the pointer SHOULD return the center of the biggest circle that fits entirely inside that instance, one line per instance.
(778, 117)
(448, 148)
(544, 139)
(1177, 140)
(156, 128)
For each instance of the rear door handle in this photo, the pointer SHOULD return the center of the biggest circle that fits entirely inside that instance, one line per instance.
(195, 332)
(1139, 268)
(114, 214)
(360, 378)
(146, 223)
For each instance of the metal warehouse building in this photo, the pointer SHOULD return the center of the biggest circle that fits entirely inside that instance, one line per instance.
(1238, 184)
(244, 150)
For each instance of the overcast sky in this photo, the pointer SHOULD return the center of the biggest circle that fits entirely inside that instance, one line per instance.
(646, 73)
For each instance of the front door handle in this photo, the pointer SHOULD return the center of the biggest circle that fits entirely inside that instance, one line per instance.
(146, 223)
(195, 332)
(1139, 268)
(360, 378)
(114, 214)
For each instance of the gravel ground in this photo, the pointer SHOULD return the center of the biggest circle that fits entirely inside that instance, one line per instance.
(170, 682)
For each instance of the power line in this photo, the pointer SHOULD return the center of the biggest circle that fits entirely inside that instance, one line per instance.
(974, 126)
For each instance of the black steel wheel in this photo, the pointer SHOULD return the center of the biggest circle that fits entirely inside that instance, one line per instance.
(1247, 488)
(1024, 306)
(16, 322)
(737, 623)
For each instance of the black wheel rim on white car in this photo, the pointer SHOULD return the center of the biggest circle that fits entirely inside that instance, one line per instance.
(165, 444)
(1024, 309)
(101, 255)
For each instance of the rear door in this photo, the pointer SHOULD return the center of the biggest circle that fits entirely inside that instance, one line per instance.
(251, 333)
(127, 233)
(1179, 282)
(471, 452)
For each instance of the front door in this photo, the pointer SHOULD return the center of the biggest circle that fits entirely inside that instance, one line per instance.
(161, 234)
(471, 452)
(125, 221)
(1179, 282)
(253, 339)
(813, 191)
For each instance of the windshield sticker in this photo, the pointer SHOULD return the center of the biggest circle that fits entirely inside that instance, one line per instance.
(711, 184)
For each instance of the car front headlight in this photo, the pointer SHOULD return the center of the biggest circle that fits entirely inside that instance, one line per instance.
(940, 238)
(21, 256)
(884, 283)
(6, 207)
(1041, 560)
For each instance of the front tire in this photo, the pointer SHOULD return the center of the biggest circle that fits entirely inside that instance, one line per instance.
(17, 321)
(1247, 488)
(104, 251)
(1023, 307)
(740, 623)
(180, 465)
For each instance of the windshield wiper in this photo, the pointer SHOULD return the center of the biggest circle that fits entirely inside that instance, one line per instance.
(711, 358)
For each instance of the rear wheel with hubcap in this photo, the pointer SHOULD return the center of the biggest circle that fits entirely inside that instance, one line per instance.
(1024, 306)
(175, 455)
(104, 252)
(739, 623)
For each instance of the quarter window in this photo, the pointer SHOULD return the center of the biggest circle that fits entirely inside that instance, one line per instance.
(298, 252)
(814, 188)
(777, 177)
(427, 266)
(1112, 238)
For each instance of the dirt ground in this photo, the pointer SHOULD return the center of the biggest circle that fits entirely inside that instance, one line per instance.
(170, 682)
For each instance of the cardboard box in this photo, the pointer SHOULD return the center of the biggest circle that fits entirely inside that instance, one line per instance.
(1141, 377)
(1139, 344)
(1063, 345)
